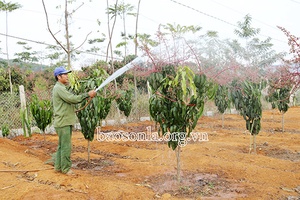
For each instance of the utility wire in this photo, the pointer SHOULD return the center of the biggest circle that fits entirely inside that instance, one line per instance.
(47, 44)
(244, 14)
(216, 18)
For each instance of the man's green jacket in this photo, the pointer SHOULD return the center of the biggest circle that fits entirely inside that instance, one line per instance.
(64, 105)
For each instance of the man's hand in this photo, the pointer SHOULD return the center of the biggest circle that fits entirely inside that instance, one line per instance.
(92, 93)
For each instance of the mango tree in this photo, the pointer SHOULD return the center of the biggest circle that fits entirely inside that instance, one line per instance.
(177, 102)
(124, 101)
(93, 110)
(280, 98)
(246, 97)
(222, 100)
(42, 113)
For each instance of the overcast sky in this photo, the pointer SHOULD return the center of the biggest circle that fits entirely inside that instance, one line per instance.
(222, 16)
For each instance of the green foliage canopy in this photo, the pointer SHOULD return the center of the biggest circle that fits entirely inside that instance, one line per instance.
(42, 112)
(177, 101)
(246, 97)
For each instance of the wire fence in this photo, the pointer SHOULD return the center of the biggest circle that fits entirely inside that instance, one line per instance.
(10, 112)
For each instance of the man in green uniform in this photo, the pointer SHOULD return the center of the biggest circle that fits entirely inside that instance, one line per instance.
(65, 118)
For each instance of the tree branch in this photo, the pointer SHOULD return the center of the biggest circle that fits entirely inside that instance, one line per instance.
(50, 29)
(83, 41)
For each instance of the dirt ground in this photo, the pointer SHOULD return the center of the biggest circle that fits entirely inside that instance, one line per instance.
(220, 168)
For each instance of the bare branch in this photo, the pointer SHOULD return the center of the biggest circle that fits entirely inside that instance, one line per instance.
(76, 8)
(83, 41)
(49, 29)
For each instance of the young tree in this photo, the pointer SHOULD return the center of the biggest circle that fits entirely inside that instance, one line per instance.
(257, 55)
(279, 97)
(246, 97)
(91, 112)
(111, 11)
(8, 7)
(135, 40)
(42, 112)
(285, 81)
(27, 56)
(136, 29)
(123, 10)
(177, 102)
(222, 100)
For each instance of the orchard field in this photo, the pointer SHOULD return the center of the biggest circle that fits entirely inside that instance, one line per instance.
(220, 168)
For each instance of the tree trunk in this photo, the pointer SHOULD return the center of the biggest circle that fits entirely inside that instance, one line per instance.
(136, 46)
(254, 143)
(89, 150)
(222, 120)
(136, 28)
(125, 39)
(108, 27)
(44, 136)
(7, 55)
(250, 146)
(109, 46)
(10, 82)
(178, 163)
(282, 121)
(272, 119)
(67, 34)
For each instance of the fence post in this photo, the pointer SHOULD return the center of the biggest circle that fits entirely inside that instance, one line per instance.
(24, 116)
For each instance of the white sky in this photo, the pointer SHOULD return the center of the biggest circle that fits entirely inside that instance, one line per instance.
(217, 15)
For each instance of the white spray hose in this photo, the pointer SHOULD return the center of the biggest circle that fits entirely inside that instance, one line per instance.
(119, 72)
